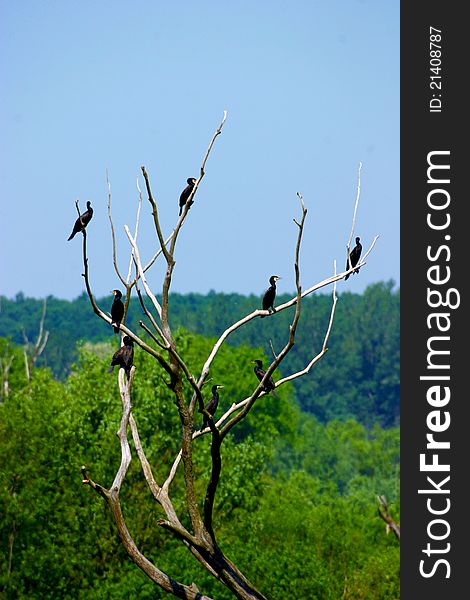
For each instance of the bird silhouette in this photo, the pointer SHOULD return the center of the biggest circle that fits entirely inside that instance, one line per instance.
(186, 193)
(269, 385)
(117, 310)
(123, 357)
(212, 405)
(354, 256)
(82, 221)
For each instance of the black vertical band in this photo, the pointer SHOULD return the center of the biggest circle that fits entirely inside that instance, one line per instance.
(435, 324)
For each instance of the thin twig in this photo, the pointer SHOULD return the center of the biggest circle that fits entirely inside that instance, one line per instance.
(155, 215)
(353, 225)
(113, 235)
(141, 273)
(272, 349)
(189, 201)
(136, 231)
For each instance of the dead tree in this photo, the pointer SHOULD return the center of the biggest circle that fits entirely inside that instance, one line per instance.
(199, 537)
(6, 361)
(32, 351)
(384, 514)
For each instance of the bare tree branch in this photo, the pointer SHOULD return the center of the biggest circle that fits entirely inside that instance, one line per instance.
(136, 231)
(124, 388)
(155, 216)
(32, 351)
(42, 338)
(157, 254)
(113, 235)
(324, 349)
(384, 514)
(215, 476)
(141, 273)
(6, 364)
(354, 214)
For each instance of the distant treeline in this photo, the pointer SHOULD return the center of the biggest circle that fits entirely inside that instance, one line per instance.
(358, 377)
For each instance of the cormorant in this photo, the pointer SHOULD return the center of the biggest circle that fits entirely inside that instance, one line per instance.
(124, 356)
(260, 373)
(82, 220)
(354, 255)
(117, 310)
(186, 193)
(270, 295)
(212, 405)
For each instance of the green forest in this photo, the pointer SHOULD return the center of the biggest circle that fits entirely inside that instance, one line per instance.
(296, 509)
(358, 378)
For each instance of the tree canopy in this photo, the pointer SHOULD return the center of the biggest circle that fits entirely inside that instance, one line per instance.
(297, 504)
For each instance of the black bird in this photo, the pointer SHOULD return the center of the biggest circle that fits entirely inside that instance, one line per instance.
(186, 193)
(117, 310)
(354, 255)
(82, 220)
(124, 356)
(260, 373)
(212, 405)
(270, 295)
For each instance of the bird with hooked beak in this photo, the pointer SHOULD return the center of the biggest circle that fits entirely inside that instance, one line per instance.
(124, 357)
(82, 221)
(212, 405)
(269, 385)
(117, 310)
(354, 257)
(270, 295)
(191, 181)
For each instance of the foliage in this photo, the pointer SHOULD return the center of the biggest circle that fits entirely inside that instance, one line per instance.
(296, 493)
(363, 384)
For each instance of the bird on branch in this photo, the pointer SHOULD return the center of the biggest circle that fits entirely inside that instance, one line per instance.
(269, 385)
(123, 357)
(354, 257)
(270, 295)
(117, 310)
(186, 193)
(212, 405)
(82, 221)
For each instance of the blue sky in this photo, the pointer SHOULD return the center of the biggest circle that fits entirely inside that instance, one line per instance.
(311, 89)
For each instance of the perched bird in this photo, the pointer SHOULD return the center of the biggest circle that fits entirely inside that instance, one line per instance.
(124, 356)
(186, 193)
(117, 310)
(212, 405)
(260, 373)
(82, 220)
(354, 256)
(270, 295)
